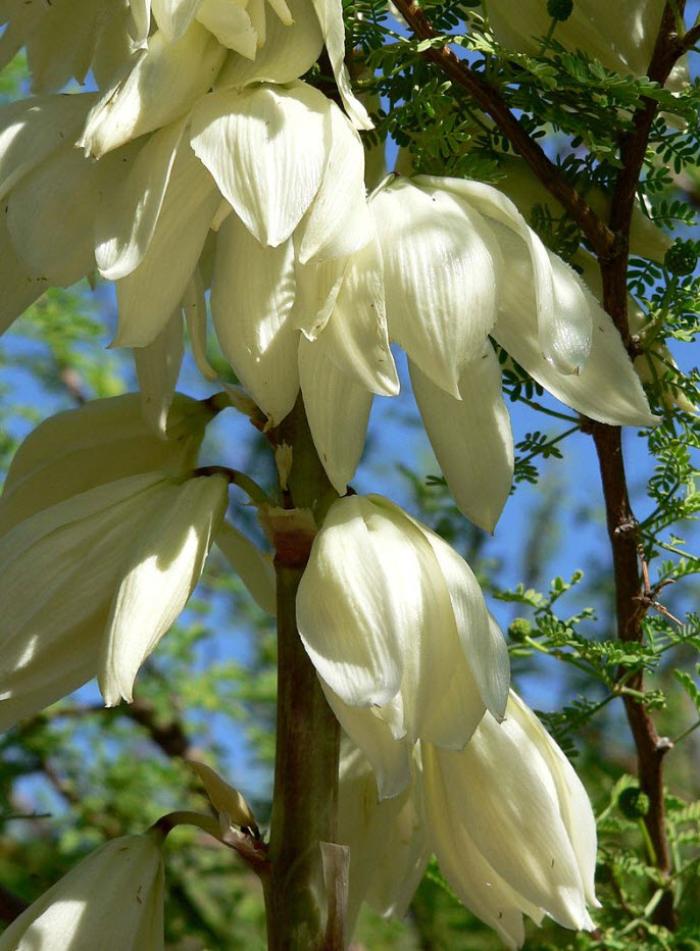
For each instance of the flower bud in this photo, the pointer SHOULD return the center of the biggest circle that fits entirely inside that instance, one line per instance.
(396, 625)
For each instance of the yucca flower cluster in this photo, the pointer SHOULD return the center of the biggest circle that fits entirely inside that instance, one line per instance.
(205, 171)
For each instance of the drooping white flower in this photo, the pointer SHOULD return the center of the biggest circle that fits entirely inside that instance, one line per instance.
(444, 271)
(397, 628)
(285, 51)
(163, 86)
(455, 263)
(65, 39)
(94, 581)
(49, 193)
(507, 819)
(156, 579)
(101, 441)
(113, 900)
(152, 228)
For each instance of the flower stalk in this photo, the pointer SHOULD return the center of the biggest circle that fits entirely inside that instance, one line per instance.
(305, 795)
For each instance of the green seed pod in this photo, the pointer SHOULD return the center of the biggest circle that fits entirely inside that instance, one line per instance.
(681, 258)
(633, 803)
(519, 629)
(560, 9)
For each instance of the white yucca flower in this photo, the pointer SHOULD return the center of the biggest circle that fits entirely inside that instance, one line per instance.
(164, 84)
(507, 818)
(397, 628)
(304, 201)
(184, 58)
(292, 37)
(66, 39)
(49, 192)
(93, 582)
(100, 442)
(112, 900)
(454, 264)
(620, 35)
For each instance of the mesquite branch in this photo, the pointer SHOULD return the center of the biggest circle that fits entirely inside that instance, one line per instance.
(610, 242)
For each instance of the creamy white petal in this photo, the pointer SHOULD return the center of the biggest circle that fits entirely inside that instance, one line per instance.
(471, 438)
(20, 286)
(387, 842)
(72, 663)
(252, 297)
(430, 644)
(162, 570)
(149, 295)
(574, 804)
(62, 44)
(356, 337)
(317, 289)
(470, 875)
(337, 409)
(174, 16)
(607, 388)
(127, 214)
(266, 147)
(165, 83)
(441, 268)
(390, 758)
(103, 441)
(114, 48)
(285, 53)
(140, 12)
(122, 881)
(330, 16)
(31, 129)
(253, 567)
(508, 801)
(74, 509)
(230, 23)
(482, 641)
(50, 215)
(338, 222)
(157, 370)
(563, 317)
(51, 630)
(350, 609)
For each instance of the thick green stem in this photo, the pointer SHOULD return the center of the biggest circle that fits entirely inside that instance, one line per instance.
(308, 738)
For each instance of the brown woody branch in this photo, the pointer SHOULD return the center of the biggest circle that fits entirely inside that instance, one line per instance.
(611, 245)
(622, 527)
(489, 99)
